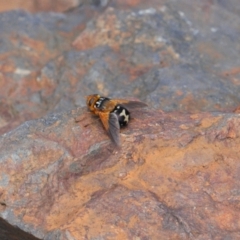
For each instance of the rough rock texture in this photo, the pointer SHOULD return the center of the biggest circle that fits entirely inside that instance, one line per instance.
(176, 175)
(39, 5)
(29, 88)
(173, 60)
(153, 51)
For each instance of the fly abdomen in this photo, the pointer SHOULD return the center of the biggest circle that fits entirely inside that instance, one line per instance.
(123, 115)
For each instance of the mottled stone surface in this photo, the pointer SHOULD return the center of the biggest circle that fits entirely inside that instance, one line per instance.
(38, 5)
(176, 175)
(173, 60)
(31, 47)
(174, 55)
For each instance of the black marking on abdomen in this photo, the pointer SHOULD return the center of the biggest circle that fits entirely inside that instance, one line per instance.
(123, 115)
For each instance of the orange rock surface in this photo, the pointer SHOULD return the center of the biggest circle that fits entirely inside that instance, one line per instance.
(173, 177)
(176, 174)
(39, 5)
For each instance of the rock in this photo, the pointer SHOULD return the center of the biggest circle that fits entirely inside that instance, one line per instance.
(39, 6)
(157, 48)
(176, 173)
(28, 84)
(49, 6)
(174, 176)
(147, 50)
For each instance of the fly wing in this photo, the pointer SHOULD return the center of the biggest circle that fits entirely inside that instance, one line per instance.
(129, 104)
(114, 128)
(134, 104)
(111, 124)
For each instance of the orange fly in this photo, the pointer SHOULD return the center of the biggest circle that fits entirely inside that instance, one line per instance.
(114, 113)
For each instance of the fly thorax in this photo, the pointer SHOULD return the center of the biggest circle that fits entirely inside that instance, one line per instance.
(100, 103)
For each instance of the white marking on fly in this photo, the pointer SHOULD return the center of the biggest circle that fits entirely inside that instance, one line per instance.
(99, 102)
(126, 116)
